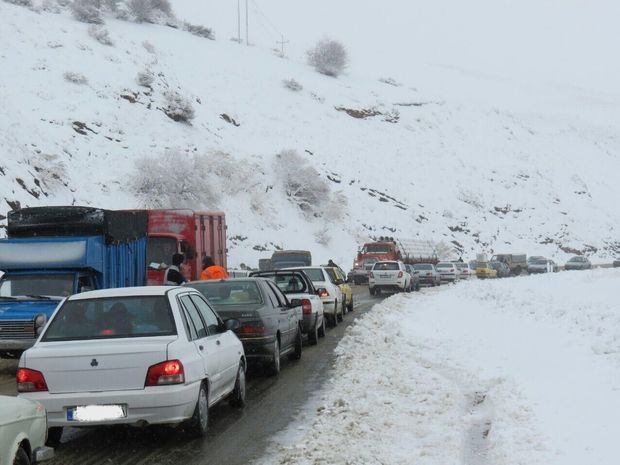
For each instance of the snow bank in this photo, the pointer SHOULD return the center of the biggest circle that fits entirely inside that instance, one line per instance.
(515, 371)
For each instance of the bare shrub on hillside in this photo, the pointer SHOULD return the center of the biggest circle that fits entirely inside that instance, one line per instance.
(145, 78)
(51, 170)
(75, 78)
(173, 179)
(302, 183)
(178, 107)
(100, 34)
(149, 47)
(26, 3)
(292, 84)
(87, 11)
(328, 57)
(150, 10)
(198, 30)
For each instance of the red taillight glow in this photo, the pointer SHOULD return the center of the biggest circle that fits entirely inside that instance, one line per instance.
(306, 306)
(251, 329)
(400, 274)
(30, 380)
(168, 372)
(324, 293)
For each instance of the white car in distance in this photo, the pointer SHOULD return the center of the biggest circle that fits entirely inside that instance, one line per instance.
(389, 276)
(23, 431)
(137, 356)
(448, 271)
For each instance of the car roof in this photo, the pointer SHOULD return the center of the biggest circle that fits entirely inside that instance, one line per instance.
(123, 292)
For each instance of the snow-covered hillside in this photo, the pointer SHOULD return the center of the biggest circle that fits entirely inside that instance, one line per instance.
(481, 136)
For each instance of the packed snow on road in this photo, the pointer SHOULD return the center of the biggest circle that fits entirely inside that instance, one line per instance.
(515, 371)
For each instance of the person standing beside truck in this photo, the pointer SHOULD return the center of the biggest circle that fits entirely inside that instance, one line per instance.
(173, 276)
(212, 271)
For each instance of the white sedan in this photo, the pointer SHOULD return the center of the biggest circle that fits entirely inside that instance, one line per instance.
(138, 356)
(23, 430)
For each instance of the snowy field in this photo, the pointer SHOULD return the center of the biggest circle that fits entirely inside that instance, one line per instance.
(515, 371)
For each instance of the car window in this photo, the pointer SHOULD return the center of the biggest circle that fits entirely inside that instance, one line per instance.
(229, 292)
(333, 277)
(279, 297)
(194, 316)
(290, 283)
(386, 266)
(111, 317)
(207, 313)
(422, 267)
(189, 327)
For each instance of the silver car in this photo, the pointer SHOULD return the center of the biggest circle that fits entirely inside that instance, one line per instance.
(541, 265)
(578, 263)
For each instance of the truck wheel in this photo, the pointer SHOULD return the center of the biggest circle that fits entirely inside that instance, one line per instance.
(517, 271)
(21, 457)
(371, 290)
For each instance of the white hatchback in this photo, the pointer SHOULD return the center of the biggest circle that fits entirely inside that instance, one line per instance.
(138, 356)
(329, 292)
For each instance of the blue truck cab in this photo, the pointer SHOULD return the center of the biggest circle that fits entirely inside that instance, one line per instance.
(53, 252)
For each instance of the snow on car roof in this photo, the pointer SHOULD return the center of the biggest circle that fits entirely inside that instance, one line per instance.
(123, 291)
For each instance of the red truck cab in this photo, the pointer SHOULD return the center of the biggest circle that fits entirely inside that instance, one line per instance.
(371, 252)
(192, 233)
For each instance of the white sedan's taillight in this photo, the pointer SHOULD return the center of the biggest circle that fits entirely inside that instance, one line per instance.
(164, 373)
(30, 380)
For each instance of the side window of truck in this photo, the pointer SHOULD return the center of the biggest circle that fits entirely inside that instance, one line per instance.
(85, 283)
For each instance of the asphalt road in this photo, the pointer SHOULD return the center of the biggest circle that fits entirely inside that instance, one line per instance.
(235, 436)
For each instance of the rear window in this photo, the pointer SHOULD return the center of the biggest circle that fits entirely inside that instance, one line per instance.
(386, 266)
(289, 283)
(422, 267)
(315, 274)
(229, 292)
(445, 265)
(114, 317)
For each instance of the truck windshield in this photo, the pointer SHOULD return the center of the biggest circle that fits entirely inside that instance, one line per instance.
(377, 248)
(160, 249)
(52, 285)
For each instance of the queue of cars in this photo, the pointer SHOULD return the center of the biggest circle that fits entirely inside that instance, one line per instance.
(166, 354)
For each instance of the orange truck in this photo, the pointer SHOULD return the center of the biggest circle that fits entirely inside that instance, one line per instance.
(192, 233)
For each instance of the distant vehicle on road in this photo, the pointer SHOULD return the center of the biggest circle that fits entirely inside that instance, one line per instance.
(517, 263)
(136, 356)
(485, 271)
(427, 273)
(448, 271)
(415, 277)
(338, 277)
(23, 429)
(501, 269)
(389, 276)
(541, 265)
(289, 258)
(270, 325)
(578, 262)
(296, 286)
(465, 272)
(329, 292)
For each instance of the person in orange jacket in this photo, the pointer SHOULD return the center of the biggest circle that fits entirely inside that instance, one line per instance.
(212, 271)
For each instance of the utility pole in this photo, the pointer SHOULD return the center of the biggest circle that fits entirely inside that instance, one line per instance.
(282, 42)
(247, 25)
(239, 21)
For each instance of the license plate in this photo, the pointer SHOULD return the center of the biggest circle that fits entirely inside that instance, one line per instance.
(384, 275)
(96, 412)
